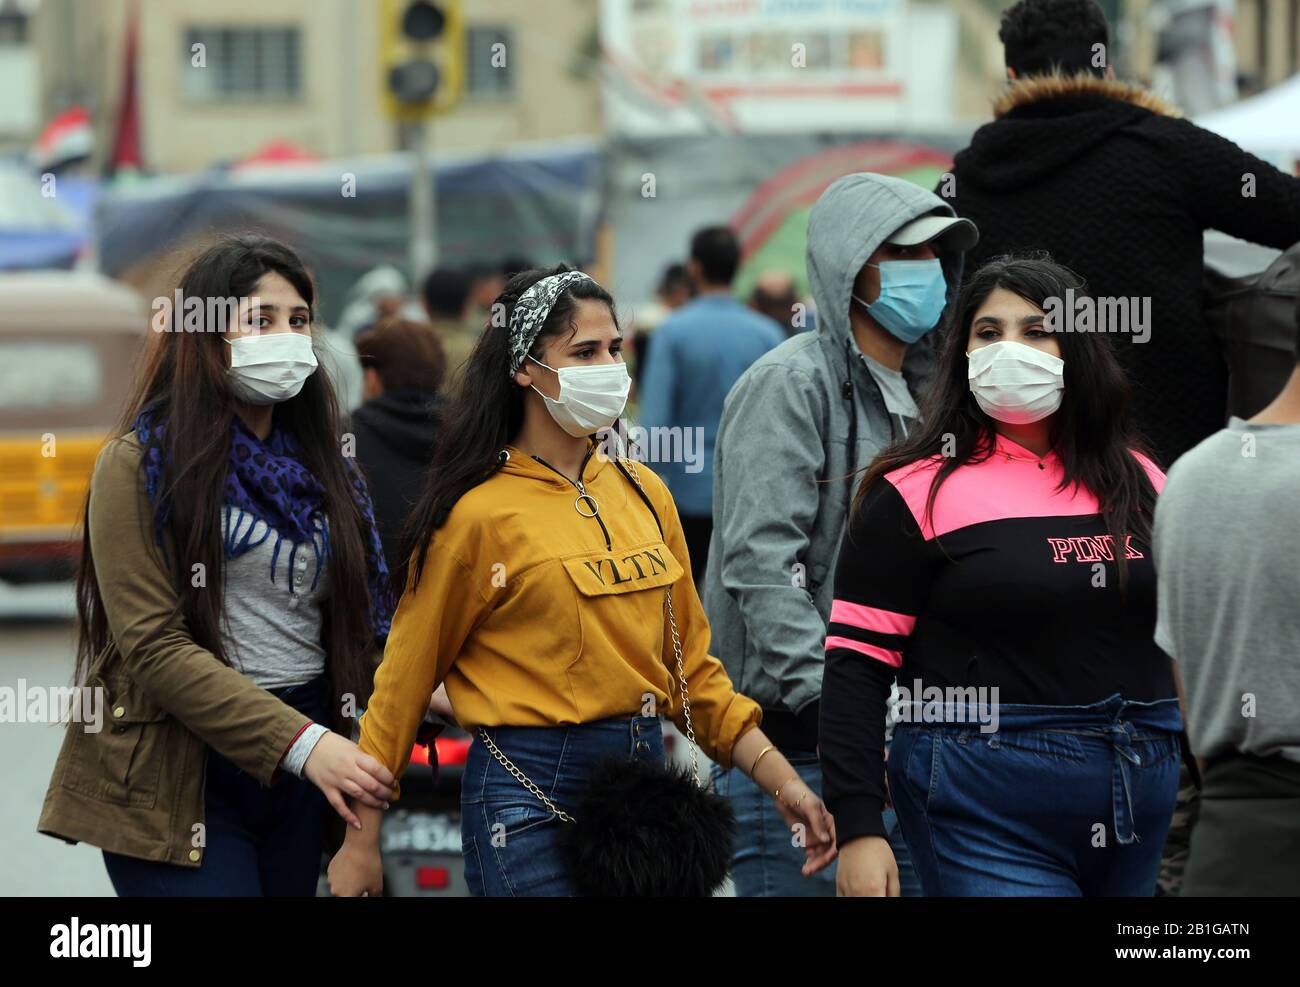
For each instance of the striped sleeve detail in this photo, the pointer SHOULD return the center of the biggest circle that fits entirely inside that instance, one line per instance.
(871, 618)
(872, 631)
(894, 658)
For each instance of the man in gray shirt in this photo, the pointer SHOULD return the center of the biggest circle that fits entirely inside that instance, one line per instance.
(1227, 554)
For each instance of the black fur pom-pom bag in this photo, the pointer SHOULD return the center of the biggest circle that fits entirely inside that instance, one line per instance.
(648, 831)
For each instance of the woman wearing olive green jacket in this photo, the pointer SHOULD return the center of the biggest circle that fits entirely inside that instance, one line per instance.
(230, 595)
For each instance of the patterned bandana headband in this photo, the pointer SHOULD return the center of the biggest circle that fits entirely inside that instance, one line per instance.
(531, 310)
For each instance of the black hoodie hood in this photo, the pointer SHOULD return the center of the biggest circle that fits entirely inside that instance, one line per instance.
(405, 421)
(1042, 123)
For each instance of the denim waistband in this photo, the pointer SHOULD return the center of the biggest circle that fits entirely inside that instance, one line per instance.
(558, 759)
(1095, 718)
(1117, 721)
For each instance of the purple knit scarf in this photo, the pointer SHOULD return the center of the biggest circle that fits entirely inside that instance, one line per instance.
(268, 480)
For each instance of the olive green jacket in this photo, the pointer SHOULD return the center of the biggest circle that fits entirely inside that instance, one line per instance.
(136, 787)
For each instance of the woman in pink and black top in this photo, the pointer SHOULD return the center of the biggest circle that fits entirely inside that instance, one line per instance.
(997, 563)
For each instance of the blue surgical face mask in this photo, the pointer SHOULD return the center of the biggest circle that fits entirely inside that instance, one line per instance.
(912, 296)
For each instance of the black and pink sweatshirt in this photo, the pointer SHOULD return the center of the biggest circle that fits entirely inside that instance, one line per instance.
(998, 587)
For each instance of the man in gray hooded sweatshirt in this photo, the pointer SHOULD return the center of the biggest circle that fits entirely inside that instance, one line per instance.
(884, 261)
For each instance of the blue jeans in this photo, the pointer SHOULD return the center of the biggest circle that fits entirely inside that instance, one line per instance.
(260, 841)
(1058, 801)
(765, 862)
(508, 835)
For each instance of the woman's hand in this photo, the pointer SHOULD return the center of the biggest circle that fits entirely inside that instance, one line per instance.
(800, 806)
(867, 869)
(340, 769)
(440, 705)
(357, 870)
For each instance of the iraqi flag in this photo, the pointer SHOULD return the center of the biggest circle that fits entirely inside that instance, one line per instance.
(67, 138)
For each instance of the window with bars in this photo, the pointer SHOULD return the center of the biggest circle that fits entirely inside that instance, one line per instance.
(13, 28)
(489, 70)
(242, 63)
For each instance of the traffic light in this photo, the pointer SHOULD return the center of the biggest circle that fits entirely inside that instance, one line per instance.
(422, 57)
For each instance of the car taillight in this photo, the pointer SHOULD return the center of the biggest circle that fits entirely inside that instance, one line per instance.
(432, 878)
(452, 750)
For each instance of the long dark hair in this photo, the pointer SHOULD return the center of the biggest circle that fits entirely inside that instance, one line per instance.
(484, 413)
(1091, 432)
(182, 380)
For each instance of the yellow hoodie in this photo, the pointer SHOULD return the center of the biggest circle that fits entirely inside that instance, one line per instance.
(535, 615)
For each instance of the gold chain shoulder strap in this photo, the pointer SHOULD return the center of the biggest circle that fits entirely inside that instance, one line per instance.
(677, 654)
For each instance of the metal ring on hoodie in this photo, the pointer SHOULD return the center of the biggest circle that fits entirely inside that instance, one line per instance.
(577, 505)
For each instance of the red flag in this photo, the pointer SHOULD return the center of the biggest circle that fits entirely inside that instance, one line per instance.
(126, 141)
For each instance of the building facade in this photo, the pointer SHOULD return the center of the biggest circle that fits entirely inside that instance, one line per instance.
(216, 82)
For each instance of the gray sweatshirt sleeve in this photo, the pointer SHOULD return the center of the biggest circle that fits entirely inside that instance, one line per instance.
(771, 444)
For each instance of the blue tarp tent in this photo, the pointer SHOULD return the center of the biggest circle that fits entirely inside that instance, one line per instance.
(539, 201)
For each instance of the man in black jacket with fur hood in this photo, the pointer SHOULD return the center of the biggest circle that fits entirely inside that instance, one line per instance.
(1111, 182)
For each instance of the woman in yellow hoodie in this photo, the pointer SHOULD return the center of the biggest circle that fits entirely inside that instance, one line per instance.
(536, 569)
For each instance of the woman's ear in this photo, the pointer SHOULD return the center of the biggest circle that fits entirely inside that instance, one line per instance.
(522, 378)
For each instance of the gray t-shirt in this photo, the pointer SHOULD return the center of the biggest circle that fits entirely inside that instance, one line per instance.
(1227, 556)
(272, 631)
(893, 387)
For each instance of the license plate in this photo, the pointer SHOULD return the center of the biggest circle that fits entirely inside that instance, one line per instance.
(420, 832)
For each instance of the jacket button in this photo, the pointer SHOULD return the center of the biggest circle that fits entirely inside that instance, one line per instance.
(637, 728)
(119, 712)
(194, 855)
(642, 747)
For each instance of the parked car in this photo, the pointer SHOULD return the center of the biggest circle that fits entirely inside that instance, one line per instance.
(68, 344)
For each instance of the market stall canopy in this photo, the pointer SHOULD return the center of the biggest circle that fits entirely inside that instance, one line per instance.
(347, 216)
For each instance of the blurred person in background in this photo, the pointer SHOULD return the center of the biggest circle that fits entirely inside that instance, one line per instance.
(673, 291)
(675, 288)
(447, 303)
(1228, 586)
(775, 295)
(550, 663)
(380, 293)
(485, 284)
(884, 260)
(397, 427)
(1107, 178)
(692, 360)
(232, 598)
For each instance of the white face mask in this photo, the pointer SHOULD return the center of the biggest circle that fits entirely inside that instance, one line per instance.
(1016, 383)
(591, 398)
(271, 367)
